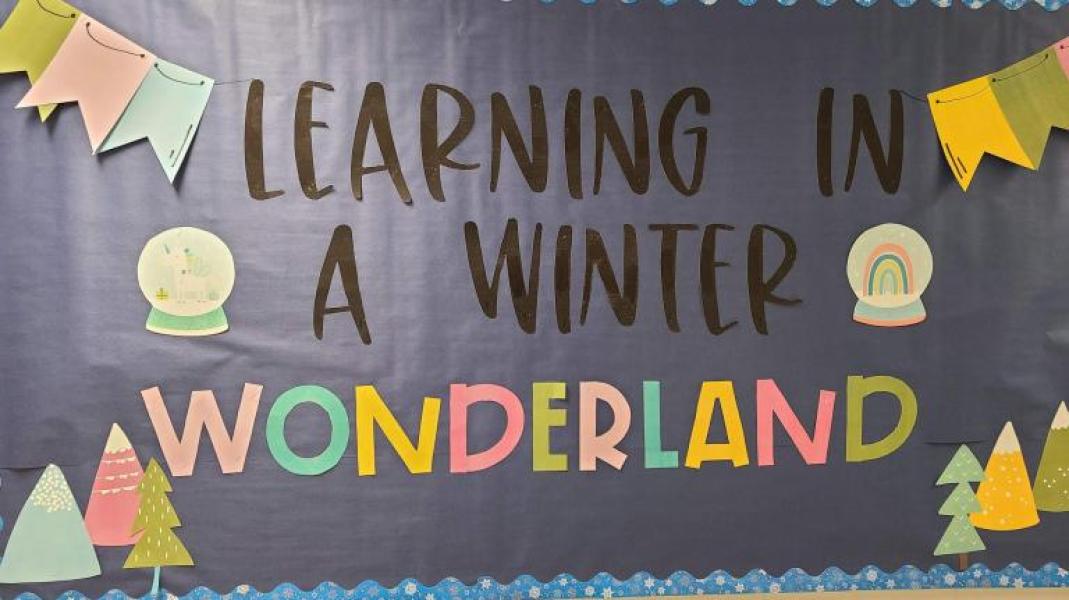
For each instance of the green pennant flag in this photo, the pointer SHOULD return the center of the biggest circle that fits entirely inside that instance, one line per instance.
(1034, 96)
(30, 37)
(166, 109)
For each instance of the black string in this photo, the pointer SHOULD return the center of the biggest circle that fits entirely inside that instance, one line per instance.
(986, 88)
(160, 71)
(87, 32)
(997, 80)
(911, 96)
(54, 13)
(1045, 57)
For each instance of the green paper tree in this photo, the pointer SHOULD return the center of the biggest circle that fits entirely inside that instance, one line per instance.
(158, 546)
(1052, 479)
(960, 536)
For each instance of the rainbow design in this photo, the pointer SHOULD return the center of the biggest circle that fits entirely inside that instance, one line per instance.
(890, 271)
(889, 267)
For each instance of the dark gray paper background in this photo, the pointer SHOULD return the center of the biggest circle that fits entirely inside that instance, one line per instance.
(74, 352)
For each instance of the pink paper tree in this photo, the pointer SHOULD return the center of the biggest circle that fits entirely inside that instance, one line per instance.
(113, 503)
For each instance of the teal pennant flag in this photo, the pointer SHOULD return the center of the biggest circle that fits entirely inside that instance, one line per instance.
(166, 109)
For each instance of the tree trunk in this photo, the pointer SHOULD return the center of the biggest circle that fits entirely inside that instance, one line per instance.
(155, 582)
(963, 561)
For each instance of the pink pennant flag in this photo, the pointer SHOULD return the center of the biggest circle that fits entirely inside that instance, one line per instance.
(1061, 49)
(97, 68)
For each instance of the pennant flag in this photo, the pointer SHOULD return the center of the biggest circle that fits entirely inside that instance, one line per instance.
(97, 68)
(166, 109)
(30, 37)
(1061, 50)
(970, 122)
(1007, 114)
(1034, 96)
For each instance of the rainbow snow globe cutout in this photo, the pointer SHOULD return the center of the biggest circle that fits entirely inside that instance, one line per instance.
(186, 274)
(889, 267)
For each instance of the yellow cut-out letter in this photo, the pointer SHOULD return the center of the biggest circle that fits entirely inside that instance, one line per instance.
(700, 450)
(371, 410)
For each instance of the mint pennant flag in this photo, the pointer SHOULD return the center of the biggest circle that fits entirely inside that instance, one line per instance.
(166, 109)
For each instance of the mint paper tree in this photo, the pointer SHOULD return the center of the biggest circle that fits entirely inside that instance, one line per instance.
(960, 536)
(158, 546)
(49, 541)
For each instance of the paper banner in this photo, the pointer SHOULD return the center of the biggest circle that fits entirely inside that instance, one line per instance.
(1034, 96)
(97, 68)
(958, 112)
(1007, 114)
(30, 37)
(113, 502)
(166, 109)
(49, 541)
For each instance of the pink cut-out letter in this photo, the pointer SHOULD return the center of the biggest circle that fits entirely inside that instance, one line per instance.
(771, 404)
(462, 396)
(594, 447)
(203, 413)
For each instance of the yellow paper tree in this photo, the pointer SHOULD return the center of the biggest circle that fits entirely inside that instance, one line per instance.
(1005, 494)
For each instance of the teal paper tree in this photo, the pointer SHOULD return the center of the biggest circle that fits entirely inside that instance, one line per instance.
(960, 536)
(49, 541)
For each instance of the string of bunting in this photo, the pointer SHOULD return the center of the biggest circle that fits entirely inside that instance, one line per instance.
(1008, 113)
(125, 92)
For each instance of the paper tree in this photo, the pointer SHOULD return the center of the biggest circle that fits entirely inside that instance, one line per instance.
(113, 503)
(960, 536)
(158, 546)
(1006, 494)
(49, 541)
(1052, 478)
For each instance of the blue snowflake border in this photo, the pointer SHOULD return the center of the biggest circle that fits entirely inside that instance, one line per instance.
(604, 586)
(1009, 4)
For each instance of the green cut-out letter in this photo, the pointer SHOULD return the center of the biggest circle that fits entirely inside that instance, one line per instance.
(857, 389)
(276, 430)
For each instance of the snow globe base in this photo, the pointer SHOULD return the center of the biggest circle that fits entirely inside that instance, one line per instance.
(897, 316)
(209, 323)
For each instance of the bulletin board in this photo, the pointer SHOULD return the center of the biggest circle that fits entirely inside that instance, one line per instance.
(532, 299)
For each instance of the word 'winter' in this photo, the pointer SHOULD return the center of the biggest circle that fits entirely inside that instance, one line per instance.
(620, 282)
(716, 409)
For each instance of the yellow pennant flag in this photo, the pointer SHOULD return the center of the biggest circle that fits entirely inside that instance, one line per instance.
(30, 37)
(970, 122)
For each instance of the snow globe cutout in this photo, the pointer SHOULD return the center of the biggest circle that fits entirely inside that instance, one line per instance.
(186, 274)
(889, 267)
